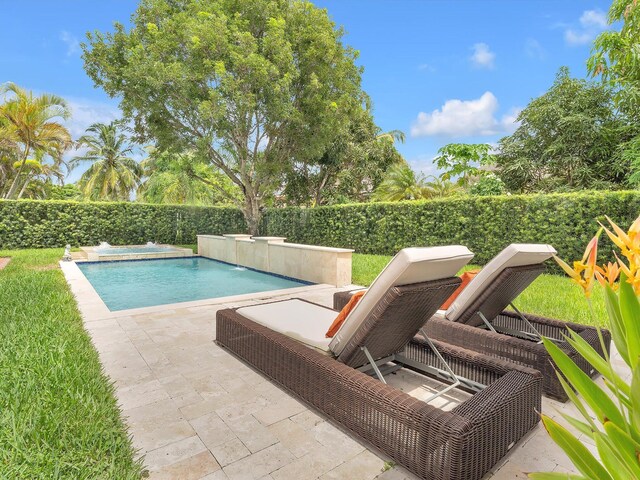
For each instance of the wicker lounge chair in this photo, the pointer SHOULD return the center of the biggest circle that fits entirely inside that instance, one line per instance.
(285, 341)
(477, 318)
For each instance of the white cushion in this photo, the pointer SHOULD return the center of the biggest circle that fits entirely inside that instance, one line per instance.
(515, 255)
(410, 265)
(303, 321)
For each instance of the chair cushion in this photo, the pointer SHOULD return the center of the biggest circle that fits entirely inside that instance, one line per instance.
(466, 277)
(342, 316)
(410, 265)
(515, 255)
(300, 320)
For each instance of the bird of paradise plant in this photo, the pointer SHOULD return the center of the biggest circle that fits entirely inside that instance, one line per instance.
(609, 416)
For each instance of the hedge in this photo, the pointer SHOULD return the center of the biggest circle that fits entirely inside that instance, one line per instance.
(484, 224)
(52, 223)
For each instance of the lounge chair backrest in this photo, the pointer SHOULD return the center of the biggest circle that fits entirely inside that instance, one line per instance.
(409, 267)
(509, 265)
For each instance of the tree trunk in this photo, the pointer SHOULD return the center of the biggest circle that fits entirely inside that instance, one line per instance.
(252, 213)
(14, 184)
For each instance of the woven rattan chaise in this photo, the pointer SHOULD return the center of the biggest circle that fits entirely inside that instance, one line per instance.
(285, 341)
(477, 319)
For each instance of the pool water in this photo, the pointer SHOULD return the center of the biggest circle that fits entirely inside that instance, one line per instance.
(135, 284)
(133, 250)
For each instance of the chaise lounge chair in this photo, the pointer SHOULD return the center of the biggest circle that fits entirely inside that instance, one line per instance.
(477, 318)
(286, 342)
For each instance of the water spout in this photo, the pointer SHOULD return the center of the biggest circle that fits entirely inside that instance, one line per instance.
(104, 245)
(151, 244)
(239, 268)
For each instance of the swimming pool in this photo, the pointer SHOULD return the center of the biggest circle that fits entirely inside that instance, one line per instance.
(134, 249)
(134, 284)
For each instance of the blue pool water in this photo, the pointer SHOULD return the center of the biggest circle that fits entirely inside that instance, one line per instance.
(134, 284)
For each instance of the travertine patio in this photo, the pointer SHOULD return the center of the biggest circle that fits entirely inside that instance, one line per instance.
(197, 412)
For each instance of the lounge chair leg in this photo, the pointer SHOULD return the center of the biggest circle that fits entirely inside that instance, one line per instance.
(487, 322)
(454, 377)
(373, 364)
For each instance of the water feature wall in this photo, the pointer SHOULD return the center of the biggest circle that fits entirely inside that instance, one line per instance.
(272, 254)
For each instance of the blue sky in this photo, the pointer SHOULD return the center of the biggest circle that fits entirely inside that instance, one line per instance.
(442, 71)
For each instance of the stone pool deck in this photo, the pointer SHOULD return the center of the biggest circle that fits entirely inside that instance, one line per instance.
(196, 412)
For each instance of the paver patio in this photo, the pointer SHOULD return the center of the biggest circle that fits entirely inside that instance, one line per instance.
(197, 412)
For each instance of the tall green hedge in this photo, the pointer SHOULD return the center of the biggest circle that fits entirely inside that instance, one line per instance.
(38, 224)
(484, 224)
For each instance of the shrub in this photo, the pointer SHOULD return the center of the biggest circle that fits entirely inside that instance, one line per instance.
(484, 224)
(40, 224)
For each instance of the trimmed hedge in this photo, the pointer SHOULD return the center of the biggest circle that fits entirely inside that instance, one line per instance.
(52, 223)
(484, 224)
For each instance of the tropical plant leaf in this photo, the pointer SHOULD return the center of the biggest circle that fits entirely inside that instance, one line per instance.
(595, 360)
(594, 396)
(618, 334)
(625, 447)
(612, 459)
(581, 457)
(635, 402)
(578, 425)
(630, 311)
(576, 401)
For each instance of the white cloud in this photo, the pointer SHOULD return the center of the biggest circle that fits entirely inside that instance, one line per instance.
(533, 49)
(72, 43)
(85, 112)
(465, 118)
(482, 56)
(591, 22)
(594, 18)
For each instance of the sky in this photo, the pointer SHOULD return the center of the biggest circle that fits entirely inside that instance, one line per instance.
(442, 71)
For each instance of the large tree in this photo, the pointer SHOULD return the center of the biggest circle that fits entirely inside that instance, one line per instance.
(350, 169)
(251, 85)
(568, 139)
(615, 56)
(31, 137)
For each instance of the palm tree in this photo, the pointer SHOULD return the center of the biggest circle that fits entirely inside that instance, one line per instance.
(28, 124)
(113, 174)
(183, 178)
(402, 183)
(392, 136)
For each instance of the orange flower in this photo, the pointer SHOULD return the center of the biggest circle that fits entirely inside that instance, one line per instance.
(583, 271)
(608, 274)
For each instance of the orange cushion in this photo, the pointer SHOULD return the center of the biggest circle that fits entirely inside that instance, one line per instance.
(466, 278)
(342, 316)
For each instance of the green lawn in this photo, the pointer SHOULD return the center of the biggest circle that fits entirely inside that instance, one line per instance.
(58, 414)
(550, 295)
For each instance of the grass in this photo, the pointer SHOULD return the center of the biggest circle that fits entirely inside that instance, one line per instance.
(549, 295)
(58, 413)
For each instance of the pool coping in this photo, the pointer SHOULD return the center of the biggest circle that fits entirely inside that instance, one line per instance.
(93, 308)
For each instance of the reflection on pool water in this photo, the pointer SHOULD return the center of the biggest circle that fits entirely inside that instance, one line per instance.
(135, 284)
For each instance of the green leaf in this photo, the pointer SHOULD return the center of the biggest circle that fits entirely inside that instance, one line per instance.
(612, 302)
(630, 310)
(624, 446)
(612, 459)
(581, 457)
(578, 425)
(600, 364)
(594, 396)
(576, 401)
(635, 401)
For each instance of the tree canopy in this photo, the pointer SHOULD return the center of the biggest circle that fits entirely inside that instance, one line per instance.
(569, 138)
(250, 85)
